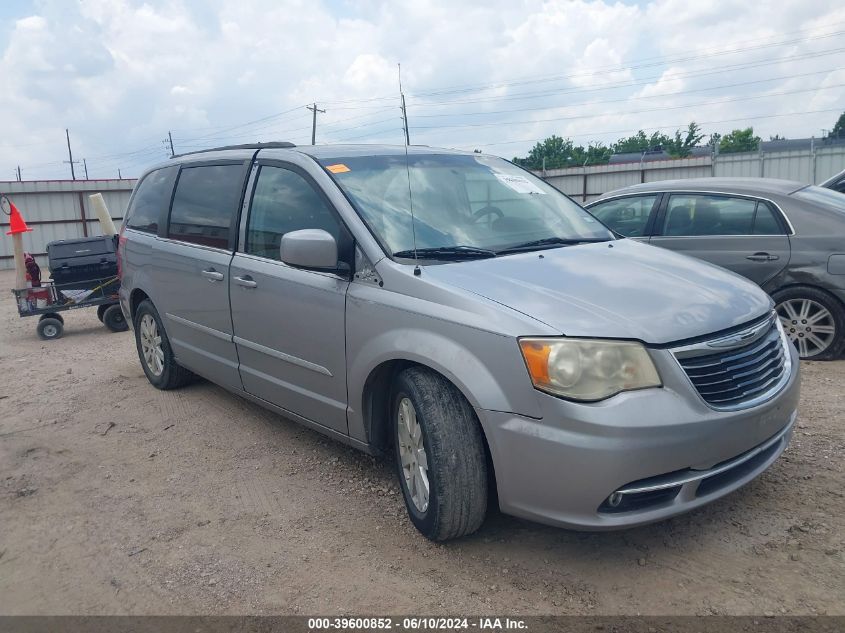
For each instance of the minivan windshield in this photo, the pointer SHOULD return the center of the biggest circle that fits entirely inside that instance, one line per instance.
(464, 206)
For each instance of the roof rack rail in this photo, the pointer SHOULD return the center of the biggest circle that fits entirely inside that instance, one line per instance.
(271, 145)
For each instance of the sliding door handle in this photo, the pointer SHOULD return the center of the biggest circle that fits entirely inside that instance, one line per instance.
(212, 275)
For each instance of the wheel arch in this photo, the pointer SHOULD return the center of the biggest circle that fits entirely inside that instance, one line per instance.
(135, 299)
(375, 409)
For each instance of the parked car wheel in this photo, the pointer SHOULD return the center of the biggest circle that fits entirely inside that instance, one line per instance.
(114, 320)
(440, 459)
(50, 328)
(101, 309)
(813, 320)
(154, 350)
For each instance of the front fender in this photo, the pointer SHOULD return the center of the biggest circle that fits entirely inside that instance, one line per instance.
(485, 366)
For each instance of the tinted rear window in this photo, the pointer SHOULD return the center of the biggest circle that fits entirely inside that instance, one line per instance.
(205, 203)
(151, 200)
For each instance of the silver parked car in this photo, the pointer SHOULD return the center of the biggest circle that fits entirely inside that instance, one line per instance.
(455, 311)
(785, 236)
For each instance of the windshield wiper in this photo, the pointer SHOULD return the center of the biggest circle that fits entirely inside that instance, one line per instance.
(548, 242)
(446, 252)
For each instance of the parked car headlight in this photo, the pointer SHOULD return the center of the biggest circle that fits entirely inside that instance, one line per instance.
(587, 369)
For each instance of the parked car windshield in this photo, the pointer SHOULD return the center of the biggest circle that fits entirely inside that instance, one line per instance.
(820, 195)
(480, 204)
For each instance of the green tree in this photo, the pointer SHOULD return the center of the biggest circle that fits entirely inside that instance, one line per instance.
(739, 141)
(681, 145)
(641, 142)
(555, 152)
(838, 130)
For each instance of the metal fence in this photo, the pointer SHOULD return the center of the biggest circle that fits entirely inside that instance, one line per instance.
(59, 210)
(587, 183)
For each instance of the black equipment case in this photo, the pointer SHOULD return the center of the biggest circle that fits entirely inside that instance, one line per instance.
(83, 260)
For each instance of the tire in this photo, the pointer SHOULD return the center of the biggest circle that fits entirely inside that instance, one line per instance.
(172, 375)
(100, 310)
(804, 311)
(453, 451)
(49, 329)
(114, 320)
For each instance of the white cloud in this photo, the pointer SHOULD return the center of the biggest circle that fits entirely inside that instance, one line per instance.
(121, 73)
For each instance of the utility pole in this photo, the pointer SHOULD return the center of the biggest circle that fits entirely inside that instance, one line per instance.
(314, 109)
(169, 141)
(119, 176)
(19, 173)
(404, 111)
(69, 155)
(85, 164)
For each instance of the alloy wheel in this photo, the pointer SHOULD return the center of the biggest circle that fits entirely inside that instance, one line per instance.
(412, 454)
(151, 345)
(808, 324)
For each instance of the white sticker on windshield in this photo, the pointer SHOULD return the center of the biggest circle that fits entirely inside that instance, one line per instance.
(520, 184)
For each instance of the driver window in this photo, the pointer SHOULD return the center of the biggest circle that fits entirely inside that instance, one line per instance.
(628, 216)
(284, 201)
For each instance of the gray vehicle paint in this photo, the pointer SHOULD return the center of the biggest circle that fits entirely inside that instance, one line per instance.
(814, 234)
(318, 347)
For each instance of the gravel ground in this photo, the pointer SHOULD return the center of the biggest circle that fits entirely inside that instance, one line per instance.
(120, 499)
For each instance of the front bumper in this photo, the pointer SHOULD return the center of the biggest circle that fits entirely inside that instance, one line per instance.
(664, 450)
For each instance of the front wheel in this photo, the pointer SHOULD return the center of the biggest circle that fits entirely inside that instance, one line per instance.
(813, 320)
(50, 328)
(440, 458)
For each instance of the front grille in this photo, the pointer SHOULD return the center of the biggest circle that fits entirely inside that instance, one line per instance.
(741, 375)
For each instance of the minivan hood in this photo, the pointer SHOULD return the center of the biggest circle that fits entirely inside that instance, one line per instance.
(618, 289)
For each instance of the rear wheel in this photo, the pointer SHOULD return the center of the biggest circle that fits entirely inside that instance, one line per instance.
(154, 350)
(440, 458)
(114, 320)
(813, 320)
(50, 328)
(101, 310)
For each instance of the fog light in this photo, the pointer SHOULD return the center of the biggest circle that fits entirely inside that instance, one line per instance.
(615, 499)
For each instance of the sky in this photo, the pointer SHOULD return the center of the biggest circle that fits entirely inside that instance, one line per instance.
(495, 76)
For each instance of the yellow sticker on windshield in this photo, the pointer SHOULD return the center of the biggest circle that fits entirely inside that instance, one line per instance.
(340, 168)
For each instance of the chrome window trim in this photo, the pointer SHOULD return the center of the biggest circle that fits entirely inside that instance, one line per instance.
(704, 193)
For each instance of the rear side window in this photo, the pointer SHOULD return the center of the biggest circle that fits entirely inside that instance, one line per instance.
(151, 200)
(205, 203)
(694, 215)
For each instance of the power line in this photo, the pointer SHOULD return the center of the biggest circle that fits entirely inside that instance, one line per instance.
(628, 112)
(633, 66)
(626, 99)
(630, 84)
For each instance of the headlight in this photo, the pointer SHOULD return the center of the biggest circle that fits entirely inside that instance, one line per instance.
(587, 369)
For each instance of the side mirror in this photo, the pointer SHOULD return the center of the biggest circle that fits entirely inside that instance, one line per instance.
(309, 248)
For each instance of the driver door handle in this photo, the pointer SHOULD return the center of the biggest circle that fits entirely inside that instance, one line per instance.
(246, 281)
(762, 257)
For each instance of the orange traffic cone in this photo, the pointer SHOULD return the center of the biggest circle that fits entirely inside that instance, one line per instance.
(16, 222)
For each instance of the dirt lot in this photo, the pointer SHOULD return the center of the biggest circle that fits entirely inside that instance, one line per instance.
(196, 501)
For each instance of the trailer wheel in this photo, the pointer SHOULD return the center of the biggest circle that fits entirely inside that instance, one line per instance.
(114, 320)
(49, 328)
(101, 310)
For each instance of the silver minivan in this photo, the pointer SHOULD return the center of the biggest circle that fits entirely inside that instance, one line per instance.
(454, 311)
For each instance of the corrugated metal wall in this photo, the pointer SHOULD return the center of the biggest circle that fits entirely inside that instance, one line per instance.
(587, 183)
(59, 210)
